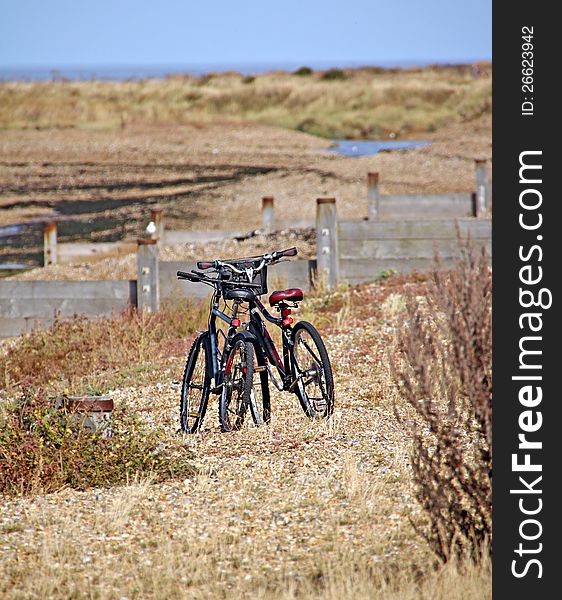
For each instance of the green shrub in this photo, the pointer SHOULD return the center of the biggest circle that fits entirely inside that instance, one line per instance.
(44, 449)
(303, 72)
(334, 75)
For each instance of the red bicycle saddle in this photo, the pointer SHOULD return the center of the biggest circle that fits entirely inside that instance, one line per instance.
(292, 294)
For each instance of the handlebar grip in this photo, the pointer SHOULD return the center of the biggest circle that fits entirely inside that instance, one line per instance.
(184, 275)
(204, 264)
(289, 252)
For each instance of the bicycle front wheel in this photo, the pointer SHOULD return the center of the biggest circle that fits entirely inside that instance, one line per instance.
(196, 385)
(260, 401)
(311, 370)
(237, 389)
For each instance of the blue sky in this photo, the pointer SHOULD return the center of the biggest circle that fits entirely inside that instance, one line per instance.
(141, 32)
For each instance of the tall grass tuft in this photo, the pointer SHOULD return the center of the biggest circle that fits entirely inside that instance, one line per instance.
(444, 372)
(69, 350)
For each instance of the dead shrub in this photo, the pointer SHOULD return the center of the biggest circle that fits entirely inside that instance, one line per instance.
(443, 371)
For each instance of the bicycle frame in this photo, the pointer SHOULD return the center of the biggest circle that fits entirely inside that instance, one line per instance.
(256, 328)
(259, 330)
(218, 373)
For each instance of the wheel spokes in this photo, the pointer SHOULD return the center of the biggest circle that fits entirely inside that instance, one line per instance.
(310, 370)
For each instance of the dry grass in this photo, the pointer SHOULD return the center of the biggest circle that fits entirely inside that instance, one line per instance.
(364, 103)
(169, 557)
(298, 509)
(81, 355)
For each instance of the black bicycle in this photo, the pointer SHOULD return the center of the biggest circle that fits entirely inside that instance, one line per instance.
(237, 365)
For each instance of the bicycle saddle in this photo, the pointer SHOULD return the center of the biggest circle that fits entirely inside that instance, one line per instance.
(239, 294)
(292, 294)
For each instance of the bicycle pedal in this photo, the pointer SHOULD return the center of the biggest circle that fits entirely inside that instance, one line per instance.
(260, 369)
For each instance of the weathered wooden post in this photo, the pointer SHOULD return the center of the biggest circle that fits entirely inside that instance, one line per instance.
(89, 412)
(268, 214)
(373, 196)
(481, 184)
(50, 243)
(474, 204)
(157, 217)
(148, 286)
(327, 256)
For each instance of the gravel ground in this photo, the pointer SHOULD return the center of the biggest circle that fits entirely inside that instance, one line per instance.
(269, 506)
(213, 176)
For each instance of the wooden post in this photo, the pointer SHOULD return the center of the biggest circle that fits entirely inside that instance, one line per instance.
(474, 204)
(481, 184)
(50, 243)
(373, 196)
(157, 217)
(148, 284)
(327, 257)
(268, 214)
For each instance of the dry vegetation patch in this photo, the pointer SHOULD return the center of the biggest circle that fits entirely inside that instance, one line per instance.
(359, 103)
(298, 509)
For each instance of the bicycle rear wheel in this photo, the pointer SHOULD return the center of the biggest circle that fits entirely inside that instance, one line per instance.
(235, 396)
(196, 385)
(311, 371)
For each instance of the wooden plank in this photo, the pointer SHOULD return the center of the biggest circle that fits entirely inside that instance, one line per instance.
(66, 307)
(363, 270)
(294, 273)
(426, 206)
(171, 287)
(11, 327)
(453, 198)
(404, 248)
(85, 290)
(425, 230)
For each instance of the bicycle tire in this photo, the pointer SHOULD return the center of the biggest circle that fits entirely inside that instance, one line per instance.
(193, 406)
(308, 353)
(235, 395)
(260, 399)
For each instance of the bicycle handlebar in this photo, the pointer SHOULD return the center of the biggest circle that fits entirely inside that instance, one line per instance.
(201, 278)
(184, 275)
(267, 259)
(288, 252)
